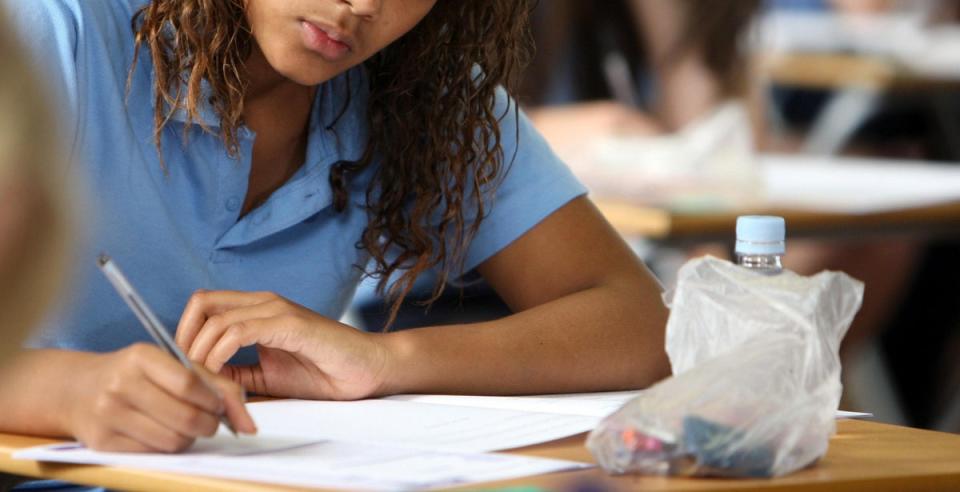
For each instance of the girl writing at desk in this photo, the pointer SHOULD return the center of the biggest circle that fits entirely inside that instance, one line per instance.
(247, 158)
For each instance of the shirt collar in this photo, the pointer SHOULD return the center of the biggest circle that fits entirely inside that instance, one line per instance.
(338, 132)
(337, 123)
(206, 115)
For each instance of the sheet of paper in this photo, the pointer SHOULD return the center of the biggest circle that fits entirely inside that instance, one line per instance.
(907, 38)
(415, 424)
(328, 464)
(889, 35)
(401, 442)
(587, 404)
(584, 404)
(849, 185)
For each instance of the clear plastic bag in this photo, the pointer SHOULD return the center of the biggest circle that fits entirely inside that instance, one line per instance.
(756, 376)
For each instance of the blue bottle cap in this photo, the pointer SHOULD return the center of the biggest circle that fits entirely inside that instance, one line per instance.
(761, 235)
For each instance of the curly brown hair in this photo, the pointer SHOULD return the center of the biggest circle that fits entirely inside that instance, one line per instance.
(433, 123)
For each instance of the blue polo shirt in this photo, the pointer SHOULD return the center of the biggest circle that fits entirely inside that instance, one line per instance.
(177, 228)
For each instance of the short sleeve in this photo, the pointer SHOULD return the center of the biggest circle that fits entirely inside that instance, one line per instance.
(48, 30)
(536, 183)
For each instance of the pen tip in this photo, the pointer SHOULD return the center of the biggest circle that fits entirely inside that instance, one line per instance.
(103, 259)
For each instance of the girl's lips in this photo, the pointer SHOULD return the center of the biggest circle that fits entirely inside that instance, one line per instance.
(322, 42)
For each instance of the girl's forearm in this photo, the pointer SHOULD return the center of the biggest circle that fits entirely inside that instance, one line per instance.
(606, 337)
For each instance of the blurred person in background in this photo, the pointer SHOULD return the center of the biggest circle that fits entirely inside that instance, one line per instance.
(32, 223)
(650, 101)
(682, 59)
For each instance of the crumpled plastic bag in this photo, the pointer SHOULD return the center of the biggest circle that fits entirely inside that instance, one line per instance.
(756, 380)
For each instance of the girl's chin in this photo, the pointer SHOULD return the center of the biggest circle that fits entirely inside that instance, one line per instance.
(299, 66)
(309, 74)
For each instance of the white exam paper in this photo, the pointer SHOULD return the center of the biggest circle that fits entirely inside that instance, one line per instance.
(583, 404)
(401, 442)
(416, 424)
(327, 464)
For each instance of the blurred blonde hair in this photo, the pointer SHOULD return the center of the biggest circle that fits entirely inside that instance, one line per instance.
(33, 225)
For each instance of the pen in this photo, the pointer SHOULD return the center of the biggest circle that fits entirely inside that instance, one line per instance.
(150, 321)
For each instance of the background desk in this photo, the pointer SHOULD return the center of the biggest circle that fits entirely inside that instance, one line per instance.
(686, 227)
(837, 71)
(819, 197)
(862, 456)
(866, 62)
(860, 86)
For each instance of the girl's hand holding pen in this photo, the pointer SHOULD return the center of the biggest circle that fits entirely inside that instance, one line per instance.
(141, 399)
(302, 354)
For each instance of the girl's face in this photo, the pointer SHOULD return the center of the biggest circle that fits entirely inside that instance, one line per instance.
(312, 41)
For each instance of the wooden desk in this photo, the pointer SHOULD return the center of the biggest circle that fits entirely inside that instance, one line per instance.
(679, 227)
(862, 456)
(861, 84)
(833, 71)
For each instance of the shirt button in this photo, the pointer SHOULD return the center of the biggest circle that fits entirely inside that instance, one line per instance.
(233, 204)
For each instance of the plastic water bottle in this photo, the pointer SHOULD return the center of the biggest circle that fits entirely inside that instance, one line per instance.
(761, 243)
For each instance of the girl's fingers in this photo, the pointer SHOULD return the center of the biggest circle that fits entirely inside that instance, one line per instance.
(214, 327)
(174, 413)
(116, 442)
(203, 398)
(249, 378)
(278, 332)
(203, 304)
(150, 433)
(234, 400)
(235, 336)
(168, 374)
